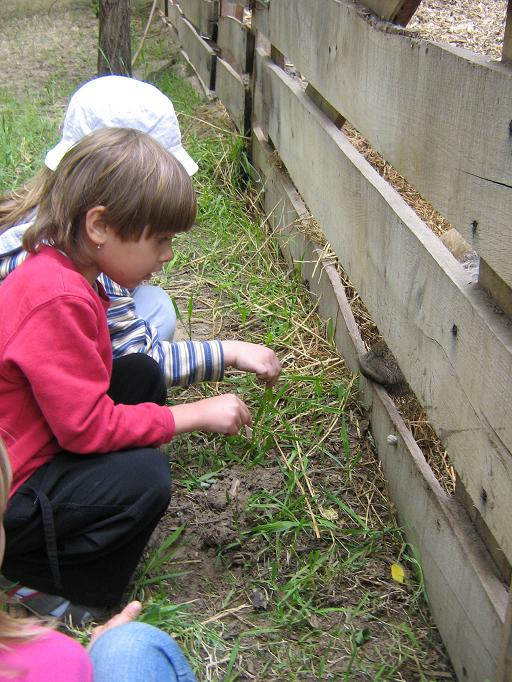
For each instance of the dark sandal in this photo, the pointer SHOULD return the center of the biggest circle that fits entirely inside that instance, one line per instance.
(49, 606)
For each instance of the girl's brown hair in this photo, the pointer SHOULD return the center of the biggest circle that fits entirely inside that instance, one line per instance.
(17, 205)
(139, 183)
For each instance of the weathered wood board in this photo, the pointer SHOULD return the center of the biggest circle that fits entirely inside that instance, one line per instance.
(234, 94)
(174, 15)
(454, 350)
(440, 115)
(232, 9)
(237, 40)
(259, 18)
(202, 14)
(200, 54)
(465, 596)
(397, 11)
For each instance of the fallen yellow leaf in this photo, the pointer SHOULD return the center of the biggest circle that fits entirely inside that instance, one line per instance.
(329, 513)
(397, 573)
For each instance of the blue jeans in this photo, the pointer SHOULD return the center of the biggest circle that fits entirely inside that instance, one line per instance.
(154, 305)
(138, 652)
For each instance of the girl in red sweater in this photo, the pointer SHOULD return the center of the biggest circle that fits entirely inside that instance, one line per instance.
(89, 484)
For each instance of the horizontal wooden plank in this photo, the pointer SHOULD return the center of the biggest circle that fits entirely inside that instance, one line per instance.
(237, 40)
(200, 55)
(440, 115)
(202, 14)
(453, 348)
(467, 600)
(234, 94)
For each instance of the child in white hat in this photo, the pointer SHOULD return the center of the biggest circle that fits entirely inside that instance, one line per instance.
(141, 319)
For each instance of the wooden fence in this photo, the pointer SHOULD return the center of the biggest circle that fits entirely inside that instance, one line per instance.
(442, 117)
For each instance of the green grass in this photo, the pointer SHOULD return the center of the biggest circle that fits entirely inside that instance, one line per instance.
(24, 135)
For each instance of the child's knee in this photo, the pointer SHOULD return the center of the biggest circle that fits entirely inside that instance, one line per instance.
(143, 648)
(150, 472)
(155, 306)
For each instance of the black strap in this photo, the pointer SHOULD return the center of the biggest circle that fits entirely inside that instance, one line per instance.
(50, 536)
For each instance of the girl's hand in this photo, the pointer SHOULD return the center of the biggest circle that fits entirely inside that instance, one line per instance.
(130, 612)
(252, 357)
(221, 414)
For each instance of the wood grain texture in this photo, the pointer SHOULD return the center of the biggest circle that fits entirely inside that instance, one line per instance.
(234, 95)
(200, 54)
(440, 115)
(238, 41)
(202, 14)
(454, 350)
(466, 598)
(259, 18)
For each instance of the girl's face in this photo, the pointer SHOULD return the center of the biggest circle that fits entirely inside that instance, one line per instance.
(130, 262)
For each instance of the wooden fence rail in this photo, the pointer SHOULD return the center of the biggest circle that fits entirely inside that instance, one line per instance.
(441, 116)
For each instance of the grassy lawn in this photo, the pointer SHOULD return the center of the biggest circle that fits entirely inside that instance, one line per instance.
(274, 559)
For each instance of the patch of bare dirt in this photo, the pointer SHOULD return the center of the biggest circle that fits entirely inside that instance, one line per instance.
(215, 518)
(44, 41)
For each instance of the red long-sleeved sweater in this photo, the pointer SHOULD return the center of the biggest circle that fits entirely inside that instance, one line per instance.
(55, 369)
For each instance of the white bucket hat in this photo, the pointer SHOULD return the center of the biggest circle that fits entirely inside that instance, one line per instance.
(120, 102)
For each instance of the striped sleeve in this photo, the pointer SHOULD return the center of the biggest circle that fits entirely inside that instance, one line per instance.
(190, 362)
(182, 362)
(10, 262)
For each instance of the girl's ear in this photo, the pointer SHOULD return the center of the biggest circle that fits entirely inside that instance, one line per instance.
(96, 226)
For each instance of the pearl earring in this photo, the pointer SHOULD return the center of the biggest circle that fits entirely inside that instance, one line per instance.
(99, 246)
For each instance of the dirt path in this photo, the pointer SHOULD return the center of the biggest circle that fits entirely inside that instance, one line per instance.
(45, 43)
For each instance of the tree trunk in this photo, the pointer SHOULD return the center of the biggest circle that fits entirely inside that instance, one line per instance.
(114, 48)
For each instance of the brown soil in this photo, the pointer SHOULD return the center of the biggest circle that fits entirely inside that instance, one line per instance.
(67, 48)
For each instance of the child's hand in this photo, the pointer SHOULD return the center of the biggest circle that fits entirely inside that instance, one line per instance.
(221, 414)
(130, 612)
(251, 357)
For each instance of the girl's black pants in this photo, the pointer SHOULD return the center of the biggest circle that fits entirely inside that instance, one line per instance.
(78, 526)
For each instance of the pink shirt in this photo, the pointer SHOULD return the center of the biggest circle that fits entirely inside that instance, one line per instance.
(55, 369)
(53, 656)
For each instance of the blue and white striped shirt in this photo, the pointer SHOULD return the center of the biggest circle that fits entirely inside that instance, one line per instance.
(182, 362)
